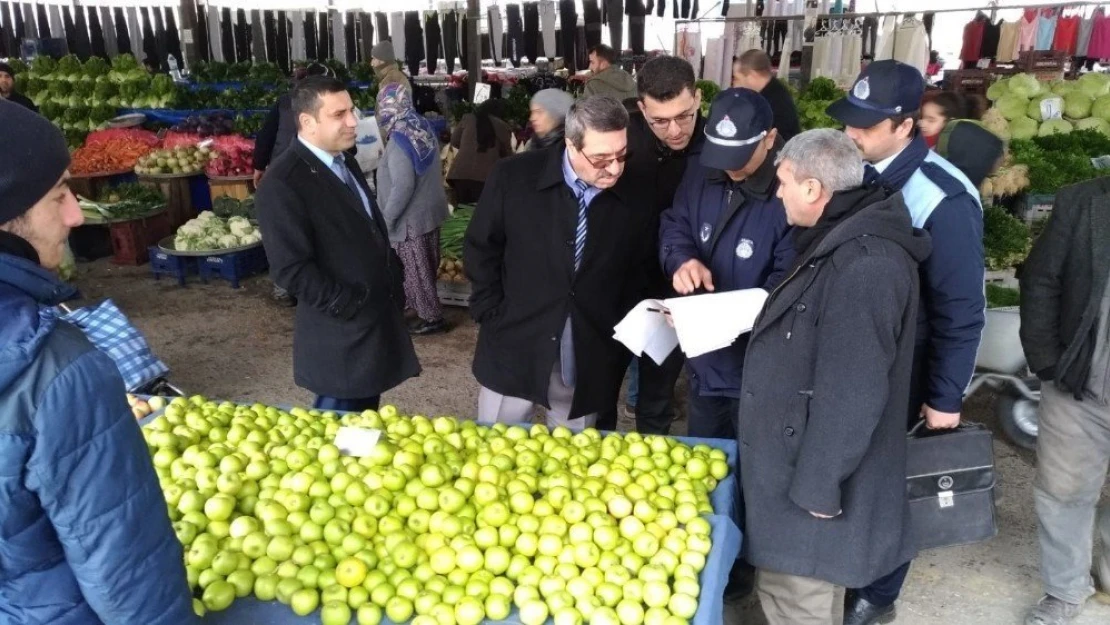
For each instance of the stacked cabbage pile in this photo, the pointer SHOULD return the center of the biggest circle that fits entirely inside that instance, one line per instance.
(209, 232)
(1017, 106)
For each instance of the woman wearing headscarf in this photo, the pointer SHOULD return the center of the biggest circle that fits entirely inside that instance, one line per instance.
(482, 138)
(412, 201)
(549, 111)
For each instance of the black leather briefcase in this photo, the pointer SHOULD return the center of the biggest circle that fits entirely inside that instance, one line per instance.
(950, 482)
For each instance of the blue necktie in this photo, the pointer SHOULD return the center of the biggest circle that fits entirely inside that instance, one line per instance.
(580, 235)
(339, 166)
(870, 174)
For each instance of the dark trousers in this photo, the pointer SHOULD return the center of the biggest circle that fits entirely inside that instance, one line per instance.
(516, 34)
(464, 42)
(350, 54)
(382, 21)
(414, 42)
(123, 36)
(636, 33)
(711, 417)
(310, 45)
(467, 191)
(347, 405)
(591, 14)
(655, 400)
(616, 33)
(568, 22)
(323, 37)
(886, 590)
(432, 40)
(532, 30)
(450, 40)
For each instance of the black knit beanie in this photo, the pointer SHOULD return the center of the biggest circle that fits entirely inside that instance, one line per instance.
(33, 159)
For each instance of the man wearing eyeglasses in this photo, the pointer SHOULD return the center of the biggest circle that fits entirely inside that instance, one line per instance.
(727, 231)
(555, 254)
(663, 135)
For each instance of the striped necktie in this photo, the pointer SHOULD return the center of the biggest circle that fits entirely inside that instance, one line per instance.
(580, 235)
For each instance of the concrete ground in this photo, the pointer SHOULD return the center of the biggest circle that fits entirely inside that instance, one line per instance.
(236, 344)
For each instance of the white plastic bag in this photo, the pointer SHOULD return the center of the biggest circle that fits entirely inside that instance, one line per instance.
(368, 139)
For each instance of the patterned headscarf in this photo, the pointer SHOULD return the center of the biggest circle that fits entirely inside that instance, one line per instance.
(400, 122)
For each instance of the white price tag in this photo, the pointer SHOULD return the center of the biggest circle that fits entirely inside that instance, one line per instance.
(357, 442)
(984, 63)
(481, 93)
(1052, 108)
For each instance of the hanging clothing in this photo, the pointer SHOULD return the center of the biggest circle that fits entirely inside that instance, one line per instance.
(30, 27)
(107, 32)
(283, 42)
(311, 46)
(688, 46)
(243, 35)
(496, 34)
(450, 39)
(1085, 28)
(382, 22)
(1046, 29)
(215, 35)
(973, 39)
(568, 20)
(414, 42)
(714, 64)
(81, 25)
(258, 37)
(339, 36)
(547, 27)
(991, 34)
(516, 34)
(350, 36)
(173, 39)
(57, 25)
(70, 30)
(323, 37)
(269, 27)
(911, 45)
(612, 13)
(1067, 34)
(297, 48)
(366, 32)
(591, 15)
(1099, 46)
(150, 46)
(531, 31)
(397, 27)
(1008, 42)
(227, 36)
(161, 41)
(464, 41)
(1027, 39)
(433, 38)
(97, 43)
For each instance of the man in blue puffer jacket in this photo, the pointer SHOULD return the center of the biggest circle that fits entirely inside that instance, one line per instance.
(879, 116)
(84, 533)
(727, 231)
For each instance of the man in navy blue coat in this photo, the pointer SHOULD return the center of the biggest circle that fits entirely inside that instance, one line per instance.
(879, 114)
(84, 533)
(727, 231)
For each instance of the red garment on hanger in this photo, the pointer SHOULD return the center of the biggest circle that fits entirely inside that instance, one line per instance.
(973, 40)
(1067, 34)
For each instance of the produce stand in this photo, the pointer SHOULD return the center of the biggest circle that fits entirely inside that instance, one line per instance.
(179, 193)
(92, 185)
(132, 237)
(238, 187)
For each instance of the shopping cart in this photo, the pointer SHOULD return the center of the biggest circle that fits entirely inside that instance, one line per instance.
(1001, 366)
(110, 330)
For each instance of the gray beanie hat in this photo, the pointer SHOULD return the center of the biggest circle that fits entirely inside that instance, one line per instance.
(383, 51)
(556, 102)
(33, 160)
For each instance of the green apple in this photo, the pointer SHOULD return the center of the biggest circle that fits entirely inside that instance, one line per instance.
(243, 582)
(304, 601)
(218, 596)
(334, 592)
(265, 587)
(683, 605)
(224, 563)
(368, 614)
(630, 612)
(567, 616)
(335, 613)
(280, 548)
(399, 609)
(219, 507)
(469, 611)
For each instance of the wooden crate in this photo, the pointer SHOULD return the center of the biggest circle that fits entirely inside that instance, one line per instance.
(132, 239)
(179, 197)
(237, 188)
(974, 81)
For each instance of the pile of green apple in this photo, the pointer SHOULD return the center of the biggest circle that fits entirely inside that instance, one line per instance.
(445, 522)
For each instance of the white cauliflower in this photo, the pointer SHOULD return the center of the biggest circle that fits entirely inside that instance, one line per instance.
(251, 239)
(228, 241)
(208, 243)
(241, 227)
(207, 216)
(191, 228)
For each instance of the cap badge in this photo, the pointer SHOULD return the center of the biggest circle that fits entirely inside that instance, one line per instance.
(745, 249)
(862, 90)
(725, 128)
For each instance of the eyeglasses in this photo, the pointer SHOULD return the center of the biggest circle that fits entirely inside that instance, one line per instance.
(605, 162)
(682, 120)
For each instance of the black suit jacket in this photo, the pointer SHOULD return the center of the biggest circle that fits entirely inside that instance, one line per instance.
(519, 257)
(350, 338)
(1062, 283)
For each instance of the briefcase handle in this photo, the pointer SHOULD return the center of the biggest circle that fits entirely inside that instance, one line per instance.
(919, 430)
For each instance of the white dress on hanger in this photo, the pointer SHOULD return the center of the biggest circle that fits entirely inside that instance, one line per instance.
(911, 45)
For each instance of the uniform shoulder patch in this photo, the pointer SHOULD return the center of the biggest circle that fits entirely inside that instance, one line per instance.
(949, 184)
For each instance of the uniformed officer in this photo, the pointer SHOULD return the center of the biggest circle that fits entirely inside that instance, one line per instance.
(880, 115)
(727, 231)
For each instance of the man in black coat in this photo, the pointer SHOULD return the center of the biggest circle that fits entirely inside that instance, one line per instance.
(7, 89)
(752, 70)
(555, 255)
(663, 135)
(1065, 330)
(327, 245)
(826, 382)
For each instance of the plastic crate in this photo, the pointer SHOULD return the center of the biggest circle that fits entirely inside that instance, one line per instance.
(131, 239)
(233, 266)
(453, 293)
(1036, 207)
(165, 264)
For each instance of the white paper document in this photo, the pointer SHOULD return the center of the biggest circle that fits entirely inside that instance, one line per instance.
(702, 323)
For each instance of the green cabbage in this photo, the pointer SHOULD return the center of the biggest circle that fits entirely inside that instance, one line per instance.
(1094, 123)
(998, 89)
(1101, 108)
(1054, 127)
(1063, 87)
(1025, 85)
(1023, 128)
(1094, 84)
(1033, 110)
(1078, 105)
(1012, 106)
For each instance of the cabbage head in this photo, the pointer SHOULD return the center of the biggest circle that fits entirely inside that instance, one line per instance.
(1064, 87)
(998, 89)
(206, 216)
(1054, 127)
(186, 243)
(1078, 105)
(251, 239)
(1025, 85)
(1094, 123)
(1033, 110)
(1094, 84)
(1101, 108)
(191, 228)
(1023, 128)
(1012, 106)
(208, 243)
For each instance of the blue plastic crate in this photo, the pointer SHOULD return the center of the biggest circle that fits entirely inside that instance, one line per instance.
(165, 264)
(233, 266)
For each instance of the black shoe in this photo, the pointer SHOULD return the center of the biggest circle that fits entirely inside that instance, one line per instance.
(741, 582)
(859, 611)
(424, 328)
